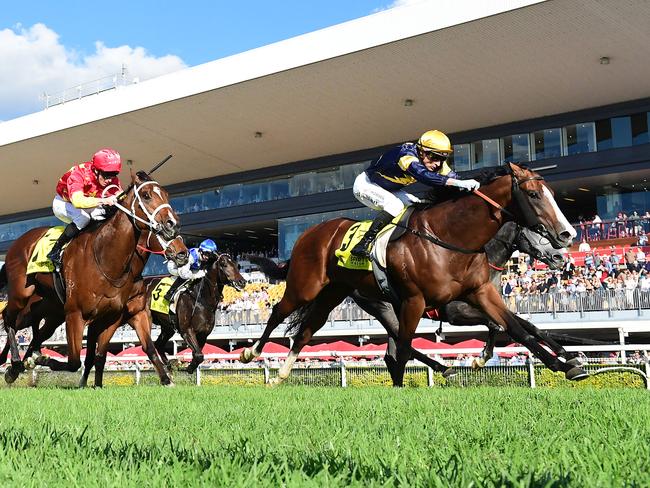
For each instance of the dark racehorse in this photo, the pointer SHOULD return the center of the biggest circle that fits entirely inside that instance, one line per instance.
(102, 268)
(510, 237)
(196, 308)
(427, 266)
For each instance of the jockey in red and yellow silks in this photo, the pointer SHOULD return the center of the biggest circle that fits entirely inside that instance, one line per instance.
(81, 194)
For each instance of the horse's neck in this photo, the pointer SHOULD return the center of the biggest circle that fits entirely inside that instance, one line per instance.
(115, 242)
(470, 222)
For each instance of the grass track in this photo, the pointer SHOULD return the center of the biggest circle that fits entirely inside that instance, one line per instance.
(306, 436)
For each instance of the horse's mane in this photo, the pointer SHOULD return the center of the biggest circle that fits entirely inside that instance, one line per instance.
(439, 194)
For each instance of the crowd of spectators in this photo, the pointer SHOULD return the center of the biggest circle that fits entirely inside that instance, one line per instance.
(623, 225)
(614, 268)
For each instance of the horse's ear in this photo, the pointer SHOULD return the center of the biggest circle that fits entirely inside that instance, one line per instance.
(133, 175)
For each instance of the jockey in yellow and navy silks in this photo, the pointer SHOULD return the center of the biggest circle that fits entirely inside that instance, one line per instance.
(380, 187)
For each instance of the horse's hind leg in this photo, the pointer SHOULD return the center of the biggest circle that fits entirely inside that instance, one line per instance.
(50, 325)
(17, 366)
(166, 333)
(311, 323)
(281, 311)
(488, 350)
(570, 358)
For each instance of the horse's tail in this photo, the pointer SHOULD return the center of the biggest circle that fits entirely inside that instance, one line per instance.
(270, 268)
(299, 317)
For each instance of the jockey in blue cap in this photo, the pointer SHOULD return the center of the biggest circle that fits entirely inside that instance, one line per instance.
(380, 186)
(194, 269)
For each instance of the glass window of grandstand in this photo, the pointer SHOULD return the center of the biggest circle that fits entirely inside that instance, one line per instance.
(486, 153)
(580, 138)
(461, 157)
(547, 143)
(516, 148)
(622, 131)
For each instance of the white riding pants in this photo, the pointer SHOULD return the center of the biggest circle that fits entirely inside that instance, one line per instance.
(377, 198)
(67, 212)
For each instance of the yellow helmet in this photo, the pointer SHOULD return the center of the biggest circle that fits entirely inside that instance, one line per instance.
(434, 140)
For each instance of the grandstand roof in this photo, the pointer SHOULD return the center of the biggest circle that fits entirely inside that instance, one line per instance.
(464, 64)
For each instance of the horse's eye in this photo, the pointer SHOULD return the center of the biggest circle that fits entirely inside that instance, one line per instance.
(146, 195)
(534, 194)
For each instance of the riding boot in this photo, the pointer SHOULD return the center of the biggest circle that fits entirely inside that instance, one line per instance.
(362, 249)
(172, 289)
(56, 254)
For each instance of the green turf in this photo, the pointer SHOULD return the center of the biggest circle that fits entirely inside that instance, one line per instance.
(307, 436)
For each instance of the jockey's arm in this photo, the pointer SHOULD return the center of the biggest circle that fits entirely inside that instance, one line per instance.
(185, 272)
(79, 200)
(423, 175)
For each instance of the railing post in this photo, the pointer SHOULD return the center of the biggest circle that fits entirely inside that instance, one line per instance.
(647, 375)
(267, 372)
(198, 376)
(344, 378)
(137, 374)
(531, 372)
(429, 377)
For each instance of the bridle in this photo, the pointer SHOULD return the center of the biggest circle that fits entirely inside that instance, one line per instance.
(154, 227)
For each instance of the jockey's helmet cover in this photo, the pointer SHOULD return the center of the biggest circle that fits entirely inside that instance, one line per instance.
(107, 160)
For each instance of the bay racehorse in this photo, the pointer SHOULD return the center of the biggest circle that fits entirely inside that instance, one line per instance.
(498, 250)
(101, 268)
(196, 307)
(427, 265)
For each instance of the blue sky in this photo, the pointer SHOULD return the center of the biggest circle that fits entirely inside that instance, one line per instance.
(47, 46)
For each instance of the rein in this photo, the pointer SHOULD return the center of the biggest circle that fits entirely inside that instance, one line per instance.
(438, 242)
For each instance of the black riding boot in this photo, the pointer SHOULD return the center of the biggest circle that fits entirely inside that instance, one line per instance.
(56, 254)
(172, 289)
(362, 249)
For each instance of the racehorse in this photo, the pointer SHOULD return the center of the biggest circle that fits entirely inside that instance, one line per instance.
(509, 238)
(427, 266)
(101, 269)
(196, 308)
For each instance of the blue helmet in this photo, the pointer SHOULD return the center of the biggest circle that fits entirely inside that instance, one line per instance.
(208, 246)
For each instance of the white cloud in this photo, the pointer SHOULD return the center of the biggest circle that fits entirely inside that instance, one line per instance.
(402, 3)
(33, 61)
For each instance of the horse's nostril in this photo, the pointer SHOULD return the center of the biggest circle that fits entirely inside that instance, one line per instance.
(566, 235)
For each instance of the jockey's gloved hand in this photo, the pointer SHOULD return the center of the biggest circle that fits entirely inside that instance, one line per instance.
(112, 200)
(199, 274)
(98, 213)
(469, 185)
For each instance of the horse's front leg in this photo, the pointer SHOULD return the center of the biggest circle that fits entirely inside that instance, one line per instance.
(141, 322)
(189, 336)
(74, 328)
(411, 311)
(488, 299)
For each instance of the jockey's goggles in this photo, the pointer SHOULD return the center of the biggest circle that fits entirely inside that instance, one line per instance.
(107, 175)
(435, 155)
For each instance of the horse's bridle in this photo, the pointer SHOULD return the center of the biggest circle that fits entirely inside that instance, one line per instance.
(155, 227)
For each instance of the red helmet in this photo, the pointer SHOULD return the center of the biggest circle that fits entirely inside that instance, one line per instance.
(107, 160)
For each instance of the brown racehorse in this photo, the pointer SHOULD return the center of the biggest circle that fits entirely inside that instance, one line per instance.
(222, 270)
(196, 308)
(137, 315)
(426, 266)
(102, 268)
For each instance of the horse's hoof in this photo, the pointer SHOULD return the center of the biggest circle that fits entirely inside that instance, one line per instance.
(574, 362)
(449, 372)
(41, 361)
(247, 355)
(11, 375)
(170, 385)
(478, 363)
(576, 374)
(29, 363)
(275, 381)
